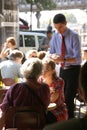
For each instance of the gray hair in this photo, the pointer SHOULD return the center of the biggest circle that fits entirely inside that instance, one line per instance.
(31, 68)
(15, 54)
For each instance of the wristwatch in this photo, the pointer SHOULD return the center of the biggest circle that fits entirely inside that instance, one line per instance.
(64, 59)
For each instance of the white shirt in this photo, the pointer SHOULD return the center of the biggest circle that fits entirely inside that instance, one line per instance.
(10, 69)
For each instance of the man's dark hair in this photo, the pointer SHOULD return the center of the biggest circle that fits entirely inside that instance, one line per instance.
(49, 31)
(59, 18)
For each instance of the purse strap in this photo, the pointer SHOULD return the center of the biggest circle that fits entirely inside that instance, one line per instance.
(35, 94)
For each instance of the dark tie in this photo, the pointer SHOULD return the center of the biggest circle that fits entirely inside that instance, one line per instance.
(63, 48)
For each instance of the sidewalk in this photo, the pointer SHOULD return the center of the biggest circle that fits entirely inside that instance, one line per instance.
(80, 108)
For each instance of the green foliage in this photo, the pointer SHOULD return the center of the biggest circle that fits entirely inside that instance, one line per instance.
(43, 4)
(71, 18)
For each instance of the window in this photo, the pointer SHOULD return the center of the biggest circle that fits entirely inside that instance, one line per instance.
(29, 41)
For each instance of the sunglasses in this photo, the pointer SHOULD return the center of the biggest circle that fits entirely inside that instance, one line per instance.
(34, 56)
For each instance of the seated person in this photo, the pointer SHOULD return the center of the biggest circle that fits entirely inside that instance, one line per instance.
(10, 69)
(31, 70)
(75, 123)
(56, 86)
(31, 53)
(45, 41)
(41, 54)
(8, 47)
(84, 56)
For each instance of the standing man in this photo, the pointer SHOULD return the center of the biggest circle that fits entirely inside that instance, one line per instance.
(45, 41)
(66, 44)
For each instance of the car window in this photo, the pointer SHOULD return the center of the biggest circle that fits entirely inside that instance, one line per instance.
(29, 40)
(20, 41)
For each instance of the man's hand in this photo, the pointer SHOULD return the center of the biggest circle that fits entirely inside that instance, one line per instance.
(57, 58)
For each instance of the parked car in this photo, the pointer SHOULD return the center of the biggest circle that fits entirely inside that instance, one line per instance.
(30, 40)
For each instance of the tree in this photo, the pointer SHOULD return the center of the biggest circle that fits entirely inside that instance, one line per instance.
(43, 4)
(71, 18)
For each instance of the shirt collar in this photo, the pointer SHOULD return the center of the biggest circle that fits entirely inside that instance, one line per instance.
(66, 32)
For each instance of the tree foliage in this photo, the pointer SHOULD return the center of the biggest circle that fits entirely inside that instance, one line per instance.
(71, 18)
(43, 4)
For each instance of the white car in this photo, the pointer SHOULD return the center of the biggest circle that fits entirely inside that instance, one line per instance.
(30, 40)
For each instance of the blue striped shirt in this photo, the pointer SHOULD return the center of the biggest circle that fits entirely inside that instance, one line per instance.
(72, 42)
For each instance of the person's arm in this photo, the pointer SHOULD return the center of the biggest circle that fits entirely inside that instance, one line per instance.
(70, 60)
(54, 96)
(4, 51)
(76, 48)
(59, 59)
(2, 119)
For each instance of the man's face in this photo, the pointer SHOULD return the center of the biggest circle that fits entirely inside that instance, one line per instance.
(60, 27)
(49, 35)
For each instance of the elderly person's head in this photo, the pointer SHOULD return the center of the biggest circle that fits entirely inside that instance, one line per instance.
(16, 56)
(32, 68)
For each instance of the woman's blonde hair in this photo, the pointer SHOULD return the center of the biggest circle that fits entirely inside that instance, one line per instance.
(12, 40)
(30, 53)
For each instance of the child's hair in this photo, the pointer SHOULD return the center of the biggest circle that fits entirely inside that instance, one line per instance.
(41, 54)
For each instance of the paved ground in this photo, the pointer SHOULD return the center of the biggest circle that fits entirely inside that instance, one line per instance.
(80, 109)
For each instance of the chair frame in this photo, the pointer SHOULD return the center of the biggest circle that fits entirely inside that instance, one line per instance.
(35, 122)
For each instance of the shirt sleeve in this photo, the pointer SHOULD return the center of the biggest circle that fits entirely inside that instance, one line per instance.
(77, 47)
(7, 101)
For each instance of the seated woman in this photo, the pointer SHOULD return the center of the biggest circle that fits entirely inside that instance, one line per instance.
(31, 54)
(75, 123)
(41, 54)
(31, 70)
(8, 47)
(56, 86)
